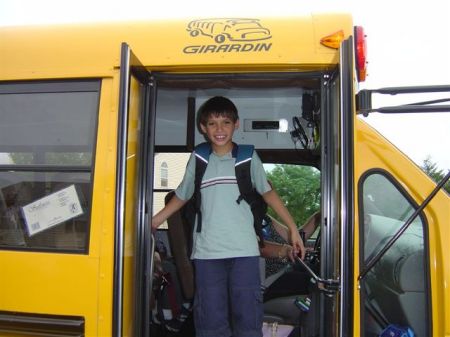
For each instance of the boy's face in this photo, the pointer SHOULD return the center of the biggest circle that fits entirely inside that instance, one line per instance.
(220, 130)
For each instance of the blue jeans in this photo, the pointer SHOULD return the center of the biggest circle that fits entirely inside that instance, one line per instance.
(228, 298)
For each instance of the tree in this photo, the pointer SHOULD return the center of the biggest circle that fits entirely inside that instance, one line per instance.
(53, 158)
(434, 173)
(299, 188)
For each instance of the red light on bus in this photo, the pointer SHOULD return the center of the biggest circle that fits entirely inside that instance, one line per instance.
(360, 53)
(333, 40)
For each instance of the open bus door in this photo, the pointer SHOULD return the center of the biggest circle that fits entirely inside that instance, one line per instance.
(334, 315)
(337, 266)
(132, 277)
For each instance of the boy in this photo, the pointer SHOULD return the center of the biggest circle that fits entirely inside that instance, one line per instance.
(228, 299)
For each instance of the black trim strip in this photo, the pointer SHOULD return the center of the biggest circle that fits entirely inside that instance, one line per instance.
(191, 124)
(347, 194)
(41, 325)
(120, 190)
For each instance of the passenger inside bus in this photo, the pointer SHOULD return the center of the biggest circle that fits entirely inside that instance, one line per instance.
(281, 278)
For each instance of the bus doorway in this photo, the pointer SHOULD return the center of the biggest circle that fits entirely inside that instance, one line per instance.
(283, 115)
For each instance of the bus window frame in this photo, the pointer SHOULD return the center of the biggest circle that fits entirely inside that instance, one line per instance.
(57, 86)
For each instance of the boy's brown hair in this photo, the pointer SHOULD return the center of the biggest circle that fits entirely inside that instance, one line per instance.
(217, 106)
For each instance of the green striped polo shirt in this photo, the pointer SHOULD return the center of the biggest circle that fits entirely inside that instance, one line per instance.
(227, 227)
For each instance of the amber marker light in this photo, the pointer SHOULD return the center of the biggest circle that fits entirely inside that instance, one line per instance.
(333, 40)
(360, 53)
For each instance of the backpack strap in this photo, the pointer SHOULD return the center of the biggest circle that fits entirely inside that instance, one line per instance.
(202, 153)
(243, 155)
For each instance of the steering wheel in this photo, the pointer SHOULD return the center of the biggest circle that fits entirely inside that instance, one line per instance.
(299, 132)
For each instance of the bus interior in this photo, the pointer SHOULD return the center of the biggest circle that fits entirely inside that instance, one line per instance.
(291, 118)
(279, 114)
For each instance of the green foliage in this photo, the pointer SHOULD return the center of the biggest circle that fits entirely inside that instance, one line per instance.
(52, 158)
(434, 173)
(299, 188)
(21, 158)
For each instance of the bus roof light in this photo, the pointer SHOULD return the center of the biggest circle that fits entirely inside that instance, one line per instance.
(333, 40)
(360, 53)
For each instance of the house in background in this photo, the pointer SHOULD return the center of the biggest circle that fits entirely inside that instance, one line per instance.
(169, 171)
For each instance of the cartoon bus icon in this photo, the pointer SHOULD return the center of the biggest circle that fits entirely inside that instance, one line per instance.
(232, 29)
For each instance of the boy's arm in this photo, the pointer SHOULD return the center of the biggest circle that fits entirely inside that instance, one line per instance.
(172, 206)
(273, 200)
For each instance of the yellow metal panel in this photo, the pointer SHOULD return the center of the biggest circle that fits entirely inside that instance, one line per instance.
(45, 283)
(102, 234)
(374, 151)
(68, 284)
(93, 50)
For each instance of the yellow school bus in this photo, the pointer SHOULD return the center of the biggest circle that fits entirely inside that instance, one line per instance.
(98, 120)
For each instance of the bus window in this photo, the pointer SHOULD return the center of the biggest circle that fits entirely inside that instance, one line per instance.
(395, 290)
(47, 138)
(173, 165)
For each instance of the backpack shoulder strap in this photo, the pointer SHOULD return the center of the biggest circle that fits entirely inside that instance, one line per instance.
(202, 152)
(243, 154)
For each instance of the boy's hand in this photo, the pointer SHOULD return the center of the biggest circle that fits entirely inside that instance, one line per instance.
(297, 243)
(156, 222)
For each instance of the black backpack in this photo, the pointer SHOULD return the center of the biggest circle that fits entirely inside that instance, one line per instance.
(243, 155)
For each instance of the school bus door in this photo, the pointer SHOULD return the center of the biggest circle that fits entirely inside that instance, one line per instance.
(336, 318)
(131, 261)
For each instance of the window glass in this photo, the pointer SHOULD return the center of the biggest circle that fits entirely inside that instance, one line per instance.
(47, 137)
(171, 117)
(175, 165)
(395, 289)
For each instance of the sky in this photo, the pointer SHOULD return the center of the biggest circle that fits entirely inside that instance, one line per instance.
(408, 45)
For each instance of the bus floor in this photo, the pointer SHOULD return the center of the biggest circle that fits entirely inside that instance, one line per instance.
(187, 330)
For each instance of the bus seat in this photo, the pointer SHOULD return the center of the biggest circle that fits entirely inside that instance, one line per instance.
(179, 235)
(12, 231)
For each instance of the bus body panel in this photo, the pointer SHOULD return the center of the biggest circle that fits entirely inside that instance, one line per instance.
(295, 44)
(373, 151)
(68, 284)
(103, 192)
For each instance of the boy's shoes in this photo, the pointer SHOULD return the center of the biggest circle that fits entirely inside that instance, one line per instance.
(175, 324)
(184, 313)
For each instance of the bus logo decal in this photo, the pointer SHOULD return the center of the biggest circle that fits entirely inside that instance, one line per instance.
(221, 30)
(245, 31)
